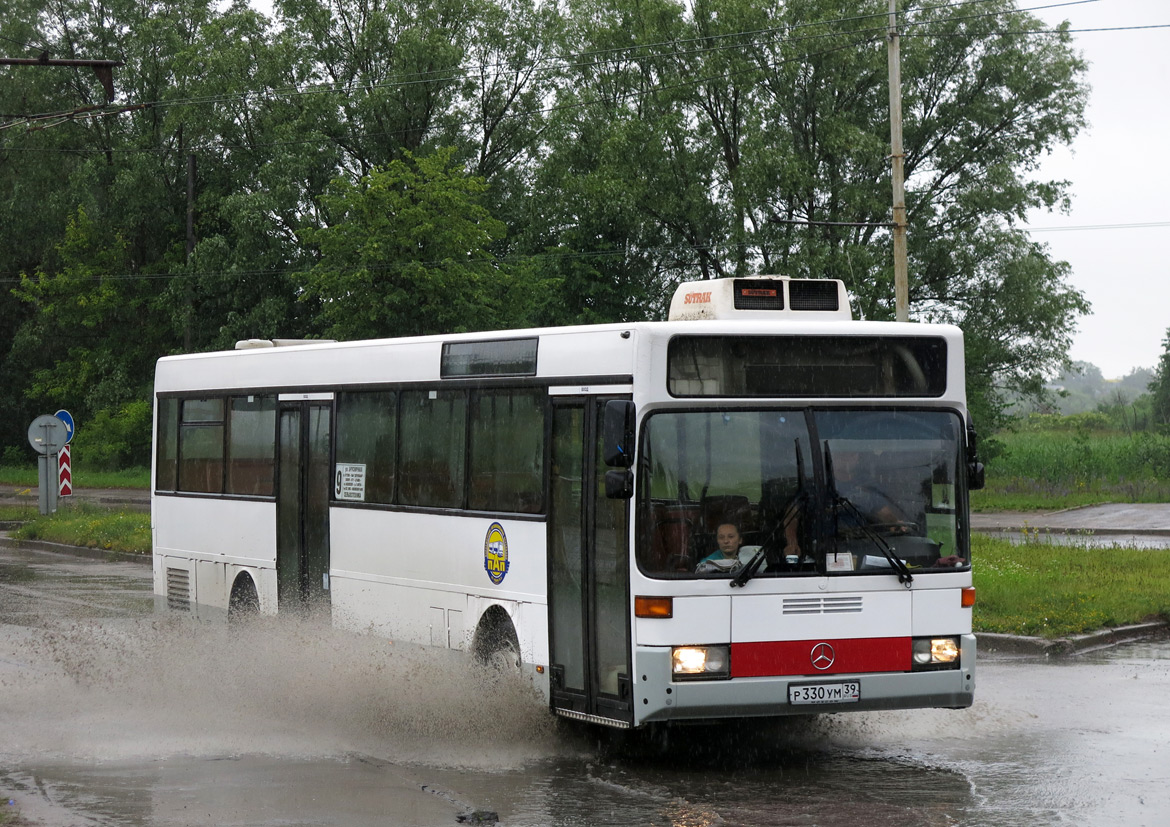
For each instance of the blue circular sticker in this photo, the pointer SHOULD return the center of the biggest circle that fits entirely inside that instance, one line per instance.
(495, 553)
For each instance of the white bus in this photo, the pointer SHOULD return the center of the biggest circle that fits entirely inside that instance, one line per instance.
(755, 508)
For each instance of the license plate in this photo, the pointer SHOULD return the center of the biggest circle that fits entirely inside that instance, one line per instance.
(847, 692)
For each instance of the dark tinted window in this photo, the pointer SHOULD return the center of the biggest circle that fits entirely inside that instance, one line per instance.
(201, 446)
(252, 445)
(167, 436)
(507, 451)
(511, 357)
(434, 438)
(808, 366)
(366, 444)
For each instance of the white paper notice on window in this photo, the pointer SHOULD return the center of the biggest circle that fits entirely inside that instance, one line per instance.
(350, 482)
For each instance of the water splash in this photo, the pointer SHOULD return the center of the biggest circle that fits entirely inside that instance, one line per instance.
(162, 687)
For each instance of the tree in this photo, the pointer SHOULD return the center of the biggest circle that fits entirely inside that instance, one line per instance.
(752, 135)
(594, 155)
(405, 252)
(86, 347)
(1160, 385)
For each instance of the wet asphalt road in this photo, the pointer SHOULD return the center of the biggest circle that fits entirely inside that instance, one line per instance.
(112, 716)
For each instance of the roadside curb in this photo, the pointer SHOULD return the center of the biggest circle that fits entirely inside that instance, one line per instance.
(76, 551)
(1075, 645)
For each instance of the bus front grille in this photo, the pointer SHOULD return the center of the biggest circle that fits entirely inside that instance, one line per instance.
(834, 604)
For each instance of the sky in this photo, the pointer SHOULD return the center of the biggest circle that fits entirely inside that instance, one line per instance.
(1119, 169)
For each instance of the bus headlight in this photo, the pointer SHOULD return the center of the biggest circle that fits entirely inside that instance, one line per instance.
(935, 653)
(700, 662)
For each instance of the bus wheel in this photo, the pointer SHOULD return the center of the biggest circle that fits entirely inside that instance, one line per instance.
(244, 602)
(495, 644)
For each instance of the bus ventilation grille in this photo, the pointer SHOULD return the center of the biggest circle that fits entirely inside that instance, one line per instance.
(813, 294)
(179, 589)
(822, 605)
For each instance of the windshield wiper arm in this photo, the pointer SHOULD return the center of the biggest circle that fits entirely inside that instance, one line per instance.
(749, 570)
(838, 501)
(904, 575)
(753, 565)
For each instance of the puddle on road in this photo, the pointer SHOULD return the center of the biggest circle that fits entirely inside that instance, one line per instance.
(139, 720)
(17, 573)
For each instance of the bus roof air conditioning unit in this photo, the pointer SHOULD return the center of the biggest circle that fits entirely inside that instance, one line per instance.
(253, 344)
(761, 297)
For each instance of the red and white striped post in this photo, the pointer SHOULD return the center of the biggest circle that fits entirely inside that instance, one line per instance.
(64, 473)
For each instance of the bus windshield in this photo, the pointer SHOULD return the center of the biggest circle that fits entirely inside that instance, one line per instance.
(816, 491)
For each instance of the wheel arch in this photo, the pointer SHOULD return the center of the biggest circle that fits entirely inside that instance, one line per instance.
(244, 596)
(494, 632)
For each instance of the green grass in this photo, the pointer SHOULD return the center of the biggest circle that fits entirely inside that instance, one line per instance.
(26, 476)
(1032, 494)
(1054, 469)
(24, 511)
(93, 527)
(1051, 591)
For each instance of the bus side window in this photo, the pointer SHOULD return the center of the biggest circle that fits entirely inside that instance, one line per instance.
(201, 446)
(507, 451)
(367, 434)
(168, 445)
(252, 445)
(434, 434)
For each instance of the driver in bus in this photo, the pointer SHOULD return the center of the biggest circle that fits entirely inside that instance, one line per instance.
(879, 509)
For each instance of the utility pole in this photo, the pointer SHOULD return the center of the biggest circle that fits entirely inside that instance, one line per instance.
(190, 205)
(897, 157)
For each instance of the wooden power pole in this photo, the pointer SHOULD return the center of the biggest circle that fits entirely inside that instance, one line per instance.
(897, 157)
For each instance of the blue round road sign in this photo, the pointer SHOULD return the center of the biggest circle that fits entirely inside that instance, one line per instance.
(67, 418)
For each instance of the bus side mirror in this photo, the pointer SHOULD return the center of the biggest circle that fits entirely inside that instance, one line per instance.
(617, 433)
(975, 476)
(975, 472)
(619, 484)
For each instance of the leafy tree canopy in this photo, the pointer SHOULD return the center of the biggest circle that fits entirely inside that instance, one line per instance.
(405, 252)
(362, 168)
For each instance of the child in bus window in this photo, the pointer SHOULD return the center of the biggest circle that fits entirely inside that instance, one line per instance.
(728, 537)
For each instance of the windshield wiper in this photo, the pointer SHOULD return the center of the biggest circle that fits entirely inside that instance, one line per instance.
(749, 570)
(753, 565)
(839, 501)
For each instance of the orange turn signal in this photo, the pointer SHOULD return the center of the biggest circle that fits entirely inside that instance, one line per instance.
(653, 606)
(968, 598)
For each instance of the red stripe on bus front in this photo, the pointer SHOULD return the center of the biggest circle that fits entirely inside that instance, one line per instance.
(796, 657)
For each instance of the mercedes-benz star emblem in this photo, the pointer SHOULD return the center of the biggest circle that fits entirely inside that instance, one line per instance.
(823, 656)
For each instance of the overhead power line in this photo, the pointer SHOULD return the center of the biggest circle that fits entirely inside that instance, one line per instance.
(1143, 225)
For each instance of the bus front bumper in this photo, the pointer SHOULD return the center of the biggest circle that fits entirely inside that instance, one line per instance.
(658, 699)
